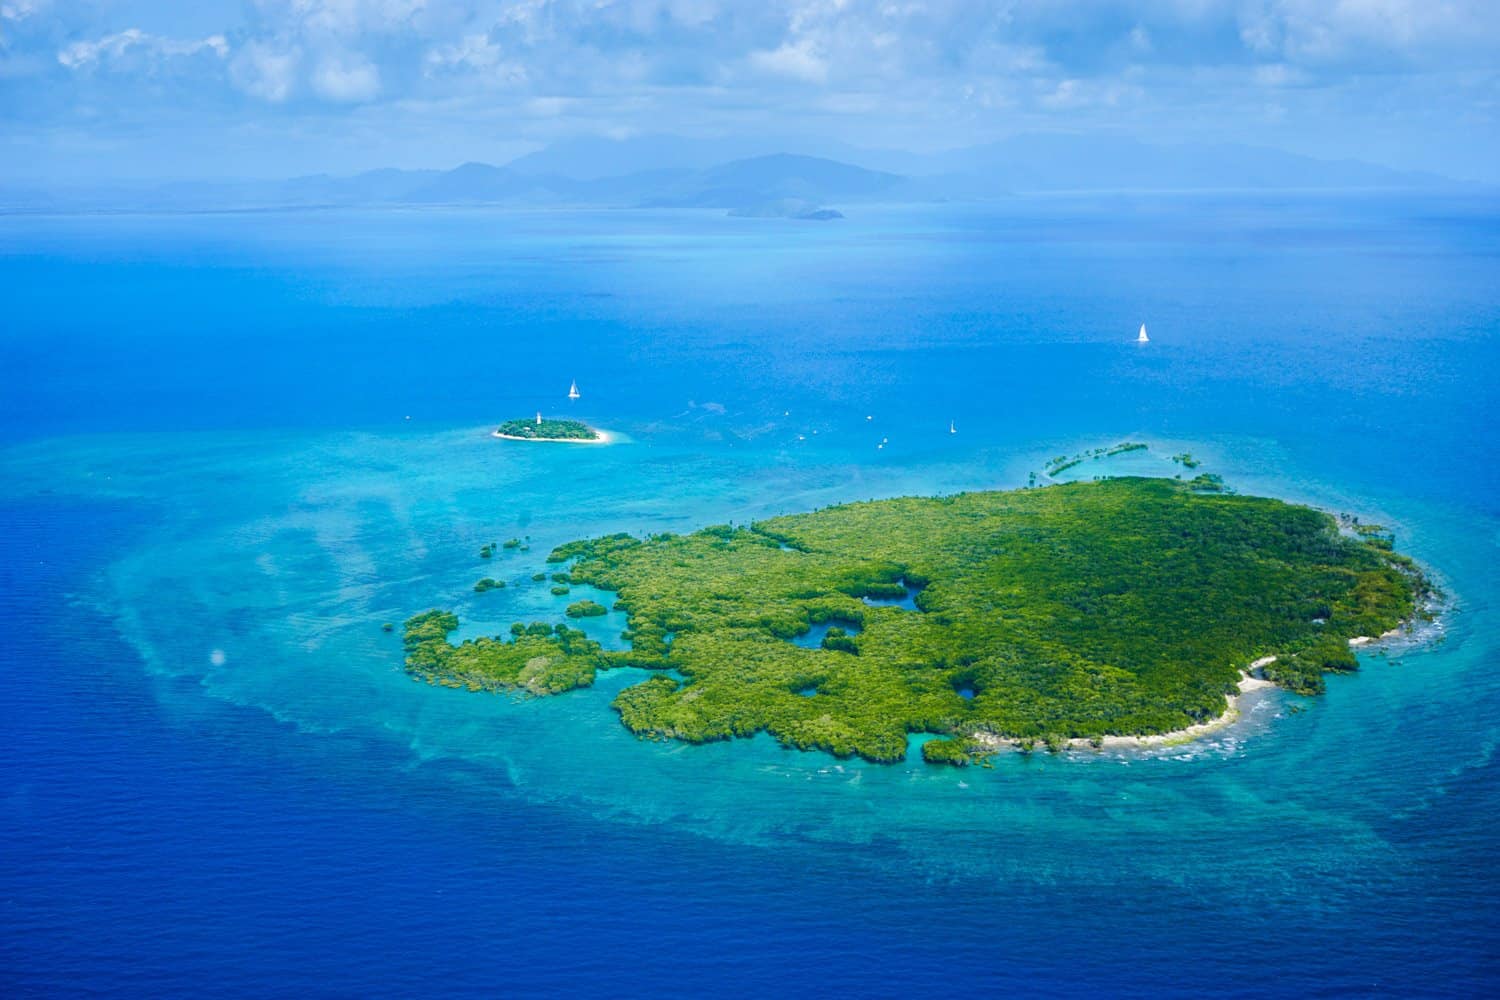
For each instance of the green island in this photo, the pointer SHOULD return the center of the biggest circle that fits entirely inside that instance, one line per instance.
(1081, 611)
(548, 429)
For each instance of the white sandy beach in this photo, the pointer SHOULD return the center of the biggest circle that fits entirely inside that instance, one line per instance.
(1248, 682)
(1190, 733)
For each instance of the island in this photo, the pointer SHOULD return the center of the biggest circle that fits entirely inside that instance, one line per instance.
(548, 429)
(1067, 615)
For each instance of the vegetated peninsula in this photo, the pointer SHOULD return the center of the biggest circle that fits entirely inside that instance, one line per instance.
(1120, 607)
(548, 429)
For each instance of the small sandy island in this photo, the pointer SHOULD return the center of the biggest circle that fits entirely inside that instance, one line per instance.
(551, 429)
(600, 437)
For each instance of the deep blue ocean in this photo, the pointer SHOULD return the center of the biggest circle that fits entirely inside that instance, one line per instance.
(233, 445)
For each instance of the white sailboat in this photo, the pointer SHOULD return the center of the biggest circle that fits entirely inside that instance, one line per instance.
(573, 392)
(952, 427)
(1141, 337)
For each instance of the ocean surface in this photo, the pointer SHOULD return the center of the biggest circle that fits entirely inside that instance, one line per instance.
(233, 446)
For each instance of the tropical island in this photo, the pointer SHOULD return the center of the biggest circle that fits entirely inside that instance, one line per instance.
(549, 429)
(1083, 611)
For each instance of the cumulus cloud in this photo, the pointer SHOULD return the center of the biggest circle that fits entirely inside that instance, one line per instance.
(799, 61)
(344, 51)
(475, 55)
(718, 66)
(1321, 31)
(266, 72)
(345, 79)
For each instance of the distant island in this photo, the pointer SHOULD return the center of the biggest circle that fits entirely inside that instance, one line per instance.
(540, 429)
(787, 208)
(1071, 614)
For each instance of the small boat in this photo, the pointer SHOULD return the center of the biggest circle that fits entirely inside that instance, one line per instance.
(573, 392)
(952, 427)
(1141, 337)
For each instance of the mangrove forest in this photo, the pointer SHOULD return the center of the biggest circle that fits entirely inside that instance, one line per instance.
(1118, 607)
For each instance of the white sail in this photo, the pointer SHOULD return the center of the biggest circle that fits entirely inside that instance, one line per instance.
(573, 392)
(952, 427)
(1141, 337)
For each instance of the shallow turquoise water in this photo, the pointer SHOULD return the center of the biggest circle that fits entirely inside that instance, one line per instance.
(253, 378)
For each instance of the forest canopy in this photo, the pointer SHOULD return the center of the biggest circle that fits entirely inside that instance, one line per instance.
(1117, 607)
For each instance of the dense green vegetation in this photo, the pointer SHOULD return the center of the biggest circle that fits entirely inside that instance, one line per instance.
(488, 583)
(548, 430)
(541, 660)
(1118, 607)
(586, 609)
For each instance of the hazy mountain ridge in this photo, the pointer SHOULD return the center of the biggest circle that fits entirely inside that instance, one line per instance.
(671, 172)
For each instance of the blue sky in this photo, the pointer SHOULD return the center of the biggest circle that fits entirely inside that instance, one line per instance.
(135, 89)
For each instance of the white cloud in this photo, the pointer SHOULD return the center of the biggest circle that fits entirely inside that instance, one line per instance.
(340, 18)
(854, 68)
(473, 54)
(1075, 93)
(1328, 31)
(473, 51)
(799, 61)
(265, 72)
(20, 10)
(346, 79)
(112, 48)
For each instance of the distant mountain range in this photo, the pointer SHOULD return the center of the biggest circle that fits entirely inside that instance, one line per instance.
(673, 172)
